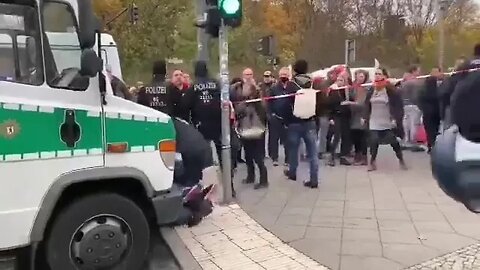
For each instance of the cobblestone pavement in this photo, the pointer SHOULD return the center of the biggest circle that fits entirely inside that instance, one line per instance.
(229, 239)
(467, 258)
(388, 219)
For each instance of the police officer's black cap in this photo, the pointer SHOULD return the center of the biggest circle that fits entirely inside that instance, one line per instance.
(159, 67)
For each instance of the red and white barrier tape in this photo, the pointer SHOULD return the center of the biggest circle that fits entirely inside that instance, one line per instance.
(394, 81)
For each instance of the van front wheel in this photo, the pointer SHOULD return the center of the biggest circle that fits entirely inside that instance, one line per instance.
(99, 231)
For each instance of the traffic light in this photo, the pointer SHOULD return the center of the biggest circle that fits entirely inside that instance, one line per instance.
(265, 46)
(231, 12)
(134, 16)
(211, 22)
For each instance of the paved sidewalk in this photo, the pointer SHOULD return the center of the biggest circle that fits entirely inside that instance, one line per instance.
(388, 219)
(230, 240)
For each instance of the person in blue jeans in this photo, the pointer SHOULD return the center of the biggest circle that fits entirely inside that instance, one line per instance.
(299, 129)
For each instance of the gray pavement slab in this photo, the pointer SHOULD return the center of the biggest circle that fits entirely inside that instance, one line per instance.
(388, 219)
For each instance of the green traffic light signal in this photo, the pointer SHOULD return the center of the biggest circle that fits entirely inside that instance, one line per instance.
(230, 7)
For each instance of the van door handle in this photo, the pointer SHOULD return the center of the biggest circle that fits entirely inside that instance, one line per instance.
(70, 130)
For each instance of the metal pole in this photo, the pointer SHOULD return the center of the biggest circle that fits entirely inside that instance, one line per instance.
(441, 33)
(202, 37)
(226, 151)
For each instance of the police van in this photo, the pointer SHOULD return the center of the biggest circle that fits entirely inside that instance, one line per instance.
(83, 172)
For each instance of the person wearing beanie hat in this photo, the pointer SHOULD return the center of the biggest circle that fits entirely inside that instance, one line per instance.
(155, 95)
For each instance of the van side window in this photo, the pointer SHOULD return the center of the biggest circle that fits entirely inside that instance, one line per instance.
(62, 47)
(7, 60)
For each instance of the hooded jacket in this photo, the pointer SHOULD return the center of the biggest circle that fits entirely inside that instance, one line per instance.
(206, 103)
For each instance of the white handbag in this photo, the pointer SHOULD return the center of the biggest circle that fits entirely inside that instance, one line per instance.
(305, 103)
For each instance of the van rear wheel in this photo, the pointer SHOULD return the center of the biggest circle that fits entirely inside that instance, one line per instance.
(100, 231)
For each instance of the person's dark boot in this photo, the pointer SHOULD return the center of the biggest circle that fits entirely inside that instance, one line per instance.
(249, 180)
(263, 179)
(344, 161)
(331, 161)
(363, 160)
(310, 184)
(290, 177)
(373, 166)
(356, 158)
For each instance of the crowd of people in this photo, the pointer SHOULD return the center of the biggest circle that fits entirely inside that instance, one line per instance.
(348, 114)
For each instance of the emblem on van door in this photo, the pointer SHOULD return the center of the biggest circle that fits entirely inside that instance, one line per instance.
(9, 129)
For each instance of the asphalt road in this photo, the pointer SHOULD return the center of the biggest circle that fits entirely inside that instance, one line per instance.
(160, 257)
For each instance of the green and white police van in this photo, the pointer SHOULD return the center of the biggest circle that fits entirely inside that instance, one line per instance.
(83, 173)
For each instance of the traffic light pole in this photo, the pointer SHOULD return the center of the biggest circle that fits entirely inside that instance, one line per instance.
(202, 37)
(225, 96)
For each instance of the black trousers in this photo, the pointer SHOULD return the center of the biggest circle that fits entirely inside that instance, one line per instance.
(432, 125)
(378, 137)
(341, 131)
(359, 140)
(255, 154)
(277, 134)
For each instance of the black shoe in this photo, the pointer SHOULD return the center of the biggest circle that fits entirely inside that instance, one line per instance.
(310, 184)
(331, 162)
(240, 160)
(320, 155)
(248, 181)
(417, 149)
(290, 177)
(260, 185)
(275, 163)
(344, 161)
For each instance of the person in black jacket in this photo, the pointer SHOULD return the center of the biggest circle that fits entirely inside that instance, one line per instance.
(277, 130)
(465, 97)
(429, 104)
(206, 111)
(298, 129)
(181, 95)
(155, 95)
(339, 116)
(448, 88)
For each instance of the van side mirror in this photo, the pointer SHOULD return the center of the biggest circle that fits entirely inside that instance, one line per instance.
(88, 24)
(90, 63)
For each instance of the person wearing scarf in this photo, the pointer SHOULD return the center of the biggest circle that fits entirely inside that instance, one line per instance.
(384, 114)
(358, 127)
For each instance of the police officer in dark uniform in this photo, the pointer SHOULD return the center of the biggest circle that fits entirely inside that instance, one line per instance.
(206, 110)
(155, 95)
